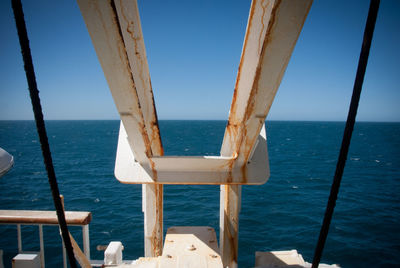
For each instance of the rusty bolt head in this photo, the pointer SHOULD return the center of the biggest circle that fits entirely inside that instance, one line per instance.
(191, 247)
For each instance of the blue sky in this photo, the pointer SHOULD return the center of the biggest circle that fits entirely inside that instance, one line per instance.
(193, 50)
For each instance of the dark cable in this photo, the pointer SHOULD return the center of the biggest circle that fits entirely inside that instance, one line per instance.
(362, 65)
(41, 129)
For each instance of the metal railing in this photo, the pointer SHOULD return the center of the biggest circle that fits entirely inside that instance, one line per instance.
(41, 218)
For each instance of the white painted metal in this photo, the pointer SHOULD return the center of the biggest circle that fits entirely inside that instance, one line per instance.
(191, 246)
(6, 162)
(153, 221)
(116, 33)
(272, 31)
(271, 35)
(191, 169)
(64, 251)
(19, 238)
(129, 24)
(26, 260)
(113, 253)
(41, 218)
(41, 246)
(86, 240)
(102, 22)
(230, 202)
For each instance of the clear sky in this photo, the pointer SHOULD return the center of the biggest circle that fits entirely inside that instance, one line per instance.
(193, 50)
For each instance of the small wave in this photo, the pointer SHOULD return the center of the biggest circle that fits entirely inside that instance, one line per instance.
(377, 161)
(295, 187)
(354, 158)
(106, 233)
(97, 200)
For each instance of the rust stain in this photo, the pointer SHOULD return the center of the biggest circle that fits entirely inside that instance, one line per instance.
(230, 167)
(232, 113)
(131, 30)
(243, 169)
(156, 237)
(264, 8)
(124, 59)
(249, 141)
(143, 131)
(230, 226)
(156, 135)
(153, 169)
(152, 128)
(237, 132)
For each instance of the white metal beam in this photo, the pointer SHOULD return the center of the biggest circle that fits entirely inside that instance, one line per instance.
(116, 33)
(191, 169)
(272, 31)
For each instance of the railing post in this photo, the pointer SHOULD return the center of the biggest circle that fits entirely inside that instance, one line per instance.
(19, 238)
(64, 255)
(86, 241)
(153, 219)
(41, 246)
(230, 203)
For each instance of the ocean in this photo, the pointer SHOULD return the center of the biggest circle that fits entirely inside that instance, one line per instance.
(285, 213)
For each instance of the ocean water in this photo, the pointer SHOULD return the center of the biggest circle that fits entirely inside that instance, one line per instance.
(285, 213)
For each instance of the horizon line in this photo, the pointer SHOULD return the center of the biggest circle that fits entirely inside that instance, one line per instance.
(267, 120)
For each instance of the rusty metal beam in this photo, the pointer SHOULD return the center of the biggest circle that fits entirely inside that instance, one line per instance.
(152, 194)
(272, 31)
(114, 26)
(191, 169)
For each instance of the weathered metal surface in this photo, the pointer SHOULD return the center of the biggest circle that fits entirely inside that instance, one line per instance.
(131, 30)
(230, 202)
(272, 31)
(191, 246)
(116, 33)
(190, 169)
(103, 26)
(153, 219)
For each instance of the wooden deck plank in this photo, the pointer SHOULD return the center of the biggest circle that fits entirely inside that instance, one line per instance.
(43, 217)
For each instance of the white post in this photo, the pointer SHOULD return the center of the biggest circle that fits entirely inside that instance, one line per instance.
(230, 202)
(41, 246)
(153, 220)
(64, 254)
(86, 241)
(19, 238)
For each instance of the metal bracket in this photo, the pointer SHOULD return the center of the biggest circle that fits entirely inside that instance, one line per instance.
(191, 169)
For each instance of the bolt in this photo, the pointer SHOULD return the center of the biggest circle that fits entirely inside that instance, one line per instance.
(191, 247)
